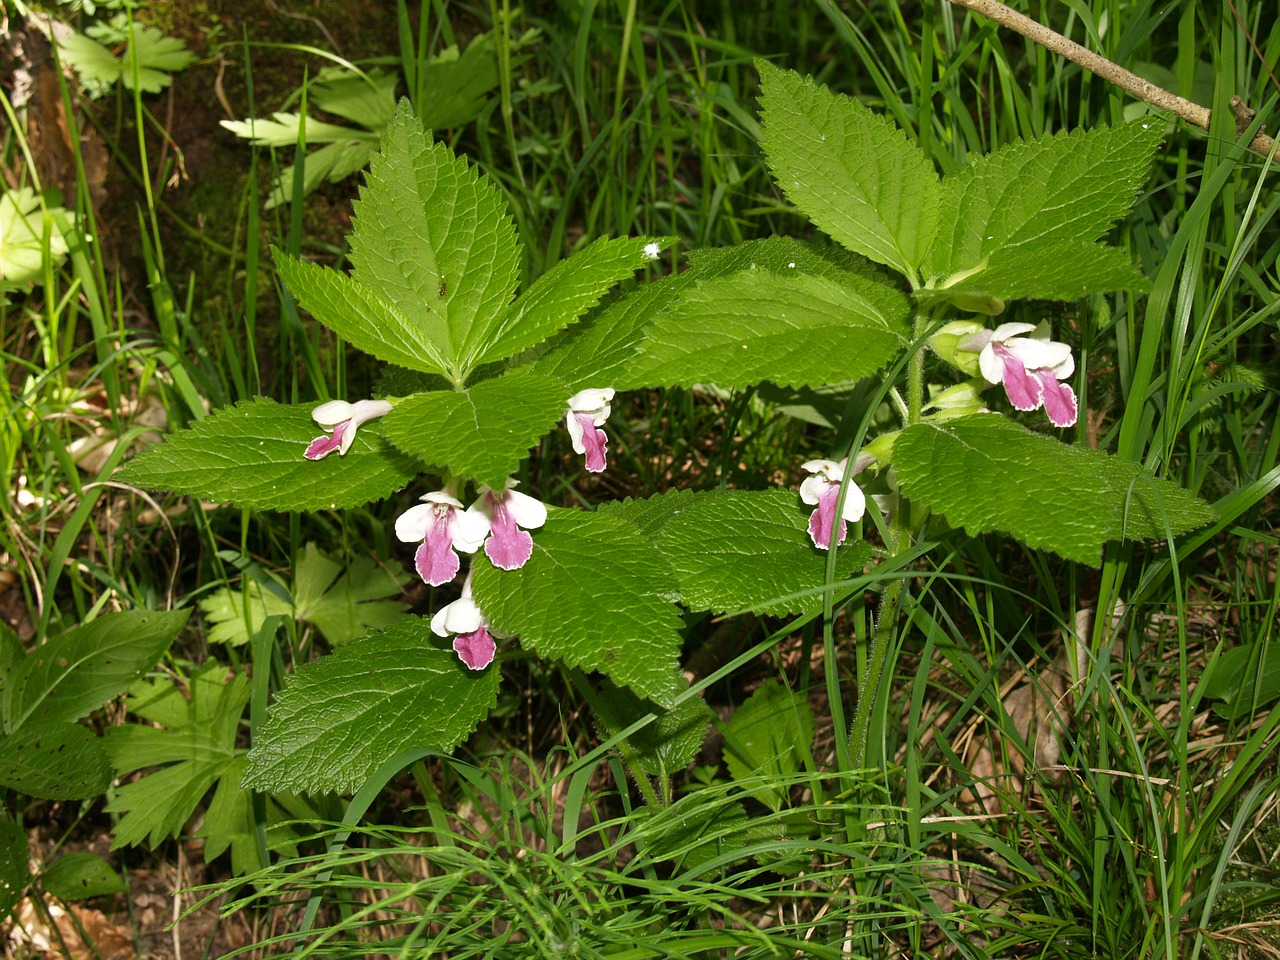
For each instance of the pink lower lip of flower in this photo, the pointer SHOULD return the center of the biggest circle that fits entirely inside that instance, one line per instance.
(822, 519)
(1059, 399)
(594, 441)
(475, 649)
(435, 559)
(508, 546)
(322, 446)
(1024, 389)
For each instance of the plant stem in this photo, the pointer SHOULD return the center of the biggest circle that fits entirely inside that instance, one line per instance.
(1113, 73)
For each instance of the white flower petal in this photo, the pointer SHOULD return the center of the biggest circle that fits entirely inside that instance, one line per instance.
(528, 512)
(992, 367)
(443, 497)
(811, 489)
(470, 530)
(1038, 354)
(575, 432)
(461, 616)
(412, 525)
(855, 503)
(588, 401)
(1008, 330)
(832, 471)
(332, 413)
(363, 411)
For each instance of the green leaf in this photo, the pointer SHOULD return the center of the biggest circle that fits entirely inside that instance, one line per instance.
(766, 740)
(666, 745)
(54, 761)
(851, 171)
(739, 549)
(793, 329)
(73, 674)
(458, 86)
(1245, 678)
(1029, 205)
(700, 826)
(22, 231)
(1069, 272)
(224, 612)
(357, 313)
(194, 747)
(435, 239)
(340, 718)
(81, 875)
(157, 57)
(96, 66)
(346, 601)
(594, 595)
(283, 128)
(230, 822)
(985, 473)
(367, 99)
(15, 856)
(251, 455)
(482, 432)
(565, 292)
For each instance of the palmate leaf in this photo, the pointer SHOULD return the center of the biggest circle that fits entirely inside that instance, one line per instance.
(157, 57)
(251, 455)
(1029, 207)
(985, 473)
(594, 595)
(434, 238)
(792, 328)
(851, 171)
(565, 292)
(73, 674)
(737, 550)
(340, 718)
(482, 432)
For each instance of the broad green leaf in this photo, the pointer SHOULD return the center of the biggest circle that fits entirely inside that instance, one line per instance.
(157, 57)
(367, 99)
(594, 595)
(15, 857)
(22, 233)
(251, 455)
(1069, 272)
(73, 674)
(666, 745)
(985, 473)
(435, 239)
(194, 748)
(231, 824)
(80, 875)
(767, 738)
(742, 549)
(482, 432)
(340, 718)
(793, 329)
(1025, 206)
(54, 761)
(851, 171)
(357, 312)
(458, 85)
(1245, 678)
(283, 128)
(565, 292)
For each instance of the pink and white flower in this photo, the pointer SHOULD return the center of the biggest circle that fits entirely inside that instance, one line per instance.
(1030, 368)
(588, 410)
(823, 491)
(340, 421)
(463, 621)
(443, 528)
(509, 515)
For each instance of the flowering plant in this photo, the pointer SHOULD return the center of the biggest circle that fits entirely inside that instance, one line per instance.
(435, 262)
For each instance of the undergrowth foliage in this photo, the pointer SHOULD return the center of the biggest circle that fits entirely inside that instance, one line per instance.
(435, 263)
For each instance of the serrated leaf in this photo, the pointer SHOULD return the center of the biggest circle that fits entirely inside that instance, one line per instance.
(73, 674)
(666, 745)
(224, 612)
(15, 856)
(698, 827)
(739, 549)
(594, 595)
(985, 473)
(359, 314)
(482, 432)
(793, 329)
(435, 239)
(80, 875)
(251, 455)
(851, 171)
(767, 739)
(1068, 272)
(338, 719)
(565, 292)
(1025, 205)
(54, 761)
(195, 748)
